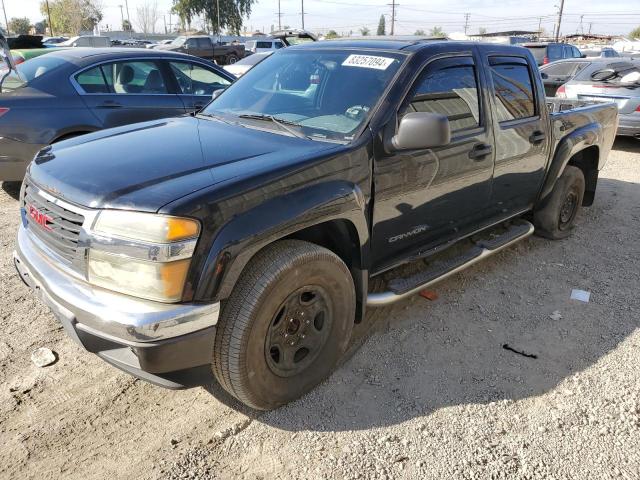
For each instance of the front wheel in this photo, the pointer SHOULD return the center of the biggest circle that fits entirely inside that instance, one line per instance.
(286, 324)
(556, 219)
(231, 59)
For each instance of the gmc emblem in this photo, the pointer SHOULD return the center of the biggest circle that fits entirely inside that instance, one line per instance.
(39, 217)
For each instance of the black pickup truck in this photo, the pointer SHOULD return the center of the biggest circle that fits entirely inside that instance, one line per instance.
(242, 241)
(204, 46)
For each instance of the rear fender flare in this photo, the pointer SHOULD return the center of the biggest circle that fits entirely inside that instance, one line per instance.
(570, 145)
(242, 237)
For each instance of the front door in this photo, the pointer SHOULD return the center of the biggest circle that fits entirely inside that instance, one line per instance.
(125, 92)
(196, 84)
(424, 197)
(522, 140)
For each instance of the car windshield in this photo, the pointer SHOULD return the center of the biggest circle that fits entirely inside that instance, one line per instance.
(30, 70)
(322, 94)
(178, 41)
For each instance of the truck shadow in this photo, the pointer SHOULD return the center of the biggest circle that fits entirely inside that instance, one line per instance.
(12, 189)
(420, 356)
(627, 144)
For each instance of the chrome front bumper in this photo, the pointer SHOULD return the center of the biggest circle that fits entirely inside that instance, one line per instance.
(133, 334)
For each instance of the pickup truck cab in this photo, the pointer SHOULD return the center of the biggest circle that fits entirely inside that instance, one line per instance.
(204, 47)
(243, 240)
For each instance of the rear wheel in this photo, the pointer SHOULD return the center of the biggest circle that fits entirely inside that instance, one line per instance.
(556, 219)
(231, 59)
(286, 324)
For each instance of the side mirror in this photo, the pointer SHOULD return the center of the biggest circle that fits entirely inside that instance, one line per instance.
(418, 130)
(544, 75)
(217, 93)
(584, 55)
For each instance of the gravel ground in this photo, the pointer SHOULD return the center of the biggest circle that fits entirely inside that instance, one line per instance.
(430, 393)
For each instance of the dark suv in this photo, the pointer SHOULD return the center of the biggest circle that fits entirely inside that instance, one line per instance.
(551, 52)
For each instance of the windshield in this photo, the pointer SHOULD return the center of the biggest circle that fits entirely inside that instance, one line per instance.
(326, 95)
(178, 41)
(30, 70)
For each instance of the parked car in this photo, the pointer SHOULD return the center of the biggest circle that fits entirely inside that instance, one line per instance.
(293, 36)
(161, 42)
(558, 73)
(545, 52)
(242, 240)
(247, 63)
(604, 52)
(86, 41)
(51, 41)
(68, 92)
(202, 46)
(610, 81)
(263, 45)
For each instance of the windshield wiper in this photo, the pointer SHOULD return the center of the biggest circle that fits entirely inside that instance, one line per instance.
(283, 124)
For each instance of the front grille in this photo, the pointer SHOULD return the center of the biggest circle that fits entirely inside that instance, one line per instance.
(64, 226)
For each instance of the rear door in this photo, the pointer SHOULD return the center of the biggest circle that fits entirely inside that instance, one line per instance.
(426, 196)
(196, 82)
(127, 91)
(521, 137)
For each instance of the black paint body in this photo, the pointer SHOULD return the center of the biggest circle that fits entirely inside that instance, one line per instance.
(249, 188)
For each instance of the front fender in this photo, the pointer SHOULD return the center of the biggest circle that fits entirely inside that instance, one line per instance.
(242, 237)
(571, 144)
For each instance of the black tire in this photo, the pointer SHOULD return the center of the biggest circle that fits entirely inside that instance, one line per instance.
(556, 219)
(231, 59)
(251, 358)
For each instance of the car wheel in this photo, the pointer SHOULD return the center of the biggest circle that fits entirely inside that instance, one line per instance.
(556, 219)
(231, 59)
(286, 324)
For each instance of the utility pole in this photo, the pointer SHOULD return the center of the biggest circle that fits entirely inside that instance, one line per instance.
(126, 3)
(218, 18)
(302, 14)
(48, 17)
(581, 25)
(164, 18)
(539, 27)
(590, 24)
(393, 5)
(121, 17)
(466, 22)
(6, 23)
(279, 17)
(557, 35)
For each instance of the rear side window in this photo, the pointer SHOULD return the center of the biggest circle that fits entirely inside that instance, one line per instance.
(554, 52)
(123, 78)
(560, 68)
(513, 88)
(450, 90)
(264, 45)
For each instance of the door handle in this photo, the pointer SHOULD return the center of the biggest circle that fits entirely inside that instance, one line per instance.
(110, 104)
(537, 137)
(479, 151)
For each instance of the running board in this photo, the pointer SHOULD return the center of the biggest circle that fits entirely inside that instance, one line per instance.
(400, 288)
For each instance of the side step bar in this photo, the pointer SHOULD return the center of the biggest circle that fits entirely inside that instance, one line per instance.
(400, 288)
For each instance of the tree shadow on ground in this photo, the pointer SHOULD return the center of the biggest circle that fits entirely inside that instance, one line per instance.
(421, 356)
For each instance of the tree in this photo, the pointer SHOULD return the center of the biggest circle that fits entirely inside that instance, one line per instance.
(73, 16)
(635, 33)
(364, 31)
(21, 25)
(382, 28)
(420, 33)
(40, 27)
(437, 32)
(148, 16)
(331, 34)
(126, 25)
(231, 12)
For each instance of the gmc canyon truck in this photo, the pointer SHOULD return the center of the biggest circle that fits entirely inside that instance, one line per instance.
(242, 241)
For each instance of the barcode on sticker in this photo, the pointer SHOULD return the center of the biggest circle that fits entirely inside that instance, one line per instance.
(368, 61)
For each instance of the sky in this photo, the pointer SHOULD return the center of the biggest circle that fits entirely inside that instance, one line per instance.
(344, 16)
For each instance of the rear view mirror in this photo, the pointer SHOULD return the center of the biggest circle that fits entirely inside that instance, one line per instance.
(418, 130)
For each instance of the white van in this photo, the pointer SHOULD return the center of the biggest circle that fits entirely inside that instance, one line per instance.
(263, 45)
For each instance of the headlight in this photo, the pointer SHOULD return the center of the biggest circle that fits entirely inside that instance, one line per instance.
(141, 254)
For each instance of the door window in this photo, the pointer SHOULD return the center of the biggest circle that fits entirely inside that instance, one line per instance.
(450, 89)
(278, 45)
(264, 45)
(204, 43)
(195, 80)
(123, 78)
(513, 89)
(192, 43)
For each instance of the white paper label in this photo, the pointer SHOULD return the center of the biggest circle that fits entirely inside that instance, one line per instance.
(368, 61)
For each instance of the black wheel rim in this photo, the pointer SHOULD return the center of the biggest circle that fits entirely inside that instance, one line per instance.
(568, 209)
(298, 331)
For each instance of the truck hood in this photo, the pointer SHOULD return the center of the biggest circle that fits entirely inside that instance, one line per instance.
(144, 166)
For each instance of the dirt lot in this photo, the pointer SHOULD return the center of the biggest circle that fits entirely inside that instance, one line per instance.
(432, 393)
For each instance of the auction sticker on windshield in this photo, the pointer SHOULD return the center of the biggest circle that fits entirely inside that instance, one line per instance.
(368, 61)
